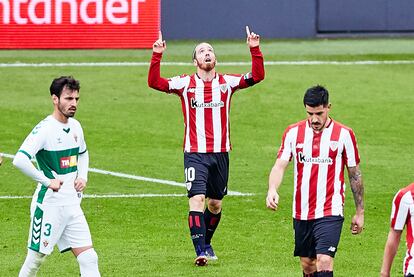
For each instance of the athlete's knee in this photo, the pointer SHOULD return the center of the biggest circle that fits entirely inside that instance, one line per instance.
(32, 263)
(324, 262)
(214, 205)
(88, 263)
(197, 202)
(308, 265)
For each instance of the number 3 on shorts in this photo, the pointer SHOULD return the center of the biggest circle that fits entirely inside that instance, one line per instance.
(189, 174)
(48, 228)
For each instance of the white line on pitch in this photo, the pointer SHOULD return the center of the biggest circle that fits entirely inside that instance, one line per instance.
(143, 195)
(141, 178)
(114, 64)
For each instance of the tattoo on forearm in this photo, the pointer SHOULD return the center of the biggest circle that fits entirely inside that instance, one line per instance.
(355, 179)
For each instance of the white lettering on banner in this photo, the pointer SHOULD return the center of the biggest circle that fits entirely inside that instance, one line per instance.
(115, 11)
(73, 11)
(6, 11)
(47, 12)
(16, 12)
(84, 12)
(122, 9)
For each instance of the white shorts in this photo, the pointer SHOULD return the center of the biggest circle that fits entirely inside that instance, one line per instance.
(65, 226)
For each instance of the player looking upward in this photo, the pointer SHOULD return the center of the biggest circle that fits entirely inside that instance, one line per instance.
(205, 98)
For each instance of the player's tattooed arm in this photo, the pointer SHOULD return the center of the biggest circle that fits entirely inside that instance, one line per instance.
(357, 187)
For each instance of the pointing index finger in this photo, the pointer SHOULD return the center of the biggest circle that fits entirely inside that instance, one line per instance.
(247, 31)
(159, 35)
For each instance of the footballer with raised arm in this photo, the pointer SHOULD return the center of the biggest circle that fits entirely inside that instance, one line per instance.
(205, 99)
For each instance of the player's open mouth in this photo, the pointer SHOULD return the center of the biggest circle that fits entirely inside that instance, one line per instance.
(207, 60)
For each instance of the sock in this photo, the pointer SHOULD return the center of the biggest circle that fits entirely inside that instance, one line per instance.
(88, 263)
(325, 273)
(309, 274)
(212, 221)
(31, 264)
(197, 230)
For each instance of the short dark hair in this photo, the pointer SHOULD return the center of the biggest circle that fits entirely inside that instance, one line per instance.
(60, 83)
(316, 96)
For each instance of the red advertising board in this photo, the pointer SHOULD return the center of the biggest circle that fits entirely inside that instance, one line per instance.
(75, 24)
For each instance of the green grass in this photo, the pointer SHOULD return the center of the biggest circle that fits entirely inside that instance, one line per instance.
(132, 129)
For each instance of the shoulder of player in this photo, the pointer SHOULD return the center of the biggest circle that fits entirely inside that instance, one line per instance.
(179, 77)
(74, 123)
(293, 127)
(405, 195)
(230, 75)
(296, 125)
(343, 126)
(43, 126)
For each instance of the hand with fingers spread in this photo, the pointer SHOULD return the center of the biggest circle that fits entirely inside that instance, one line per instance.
(159, 45)
(253, 39)
(80, 184)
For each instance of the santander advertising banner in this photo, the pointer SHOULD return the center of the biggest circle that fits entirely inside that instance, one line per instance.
(76, 24)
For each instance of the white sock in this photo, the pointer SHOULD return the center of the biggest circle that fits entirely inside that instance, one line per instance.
(32, 263)
(88, 263)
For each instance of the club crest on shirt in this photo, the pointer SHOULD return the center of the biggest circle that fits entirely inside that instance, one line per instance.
(188, 185)
(223, 88)
(333, 145)
(45, 243)
(75, 136)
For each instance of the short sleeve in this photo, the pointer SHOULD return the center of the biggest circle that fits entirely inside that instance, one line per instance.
(285, 150)
(351, 155)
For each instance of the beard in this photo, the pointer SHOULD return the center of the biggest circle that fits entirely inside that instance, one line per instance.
(68, 113)
(206, 66)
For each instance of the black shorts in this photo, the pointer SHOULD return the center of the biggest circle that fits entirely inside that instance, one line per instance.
(206, 173)
(318, 236)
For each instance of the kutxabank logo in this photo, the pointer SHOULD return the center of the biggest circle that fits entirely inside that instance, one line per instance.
(314, 160)
(196, 104)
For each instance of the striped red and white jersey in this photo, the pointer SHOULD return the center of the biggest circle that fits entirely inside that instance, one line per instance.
(402, 214)
(319, 161)
(206, 104)
(206, 109)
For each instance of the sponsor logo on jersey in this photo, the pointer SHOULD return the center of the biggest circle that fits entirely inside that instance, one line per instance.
(191, 90)
(66, 162)
(195, 104)
(299, 145)
(317, 160)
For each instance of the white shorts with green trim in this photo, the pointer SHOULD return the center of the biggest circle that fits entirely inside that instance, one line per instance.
(65, 226)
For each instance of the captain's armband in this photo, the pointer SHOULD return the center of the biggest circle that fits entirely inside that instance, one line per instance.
(248, 77)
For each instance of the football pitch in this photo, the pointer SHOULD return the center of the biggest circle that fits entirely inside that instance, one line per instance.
(138, 213)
